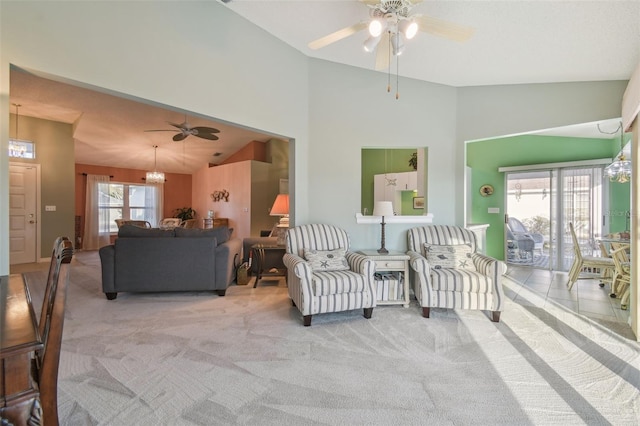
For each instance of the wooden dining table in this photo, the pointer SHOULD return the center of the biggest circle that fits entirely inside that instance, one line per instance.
(19, 339)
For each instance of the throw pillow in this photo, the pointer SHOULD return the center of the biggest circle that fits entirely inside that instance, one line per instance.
(453, 257)
(132, 231)
(327, 260)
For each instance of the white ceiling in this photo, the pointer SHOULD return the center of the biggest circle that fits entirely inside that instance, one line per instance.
(514, 42)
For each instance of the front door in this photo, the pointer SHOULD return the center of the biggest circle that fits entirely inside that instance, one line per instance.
(23, 213)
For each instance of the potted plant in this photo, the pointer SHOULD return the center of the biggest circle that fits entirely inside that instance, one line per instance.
(185, 213)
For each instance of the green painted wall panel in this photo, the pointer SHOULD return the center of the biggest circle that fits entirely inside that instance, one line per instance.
(485, 157)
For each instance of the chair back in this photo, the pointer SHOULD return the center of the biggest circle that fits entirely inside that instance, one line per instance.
(170, 223)
(316, 237)
(190, 224)
(516, 226)
(50, 328)
(576, 245)
(439, 235)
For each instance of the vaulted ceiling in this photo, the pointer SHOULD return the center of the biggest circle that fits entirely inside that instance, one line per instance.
(513, 42)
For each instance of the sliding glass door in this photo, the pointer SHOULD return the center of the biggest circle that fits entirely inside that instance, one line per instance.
(529, 213)
(541, 203)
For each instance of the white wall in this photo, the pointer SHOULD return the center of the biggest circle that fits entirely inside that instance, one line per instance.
(197, 56)
(201, 57)
(351, 109)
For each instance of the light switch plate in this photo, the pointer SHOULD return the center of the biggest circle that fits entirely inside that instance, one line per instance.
(49, 208)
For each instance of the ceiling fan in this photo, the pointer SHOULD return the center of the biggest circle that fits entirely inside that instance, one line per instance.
(393, 18)
(185, 130)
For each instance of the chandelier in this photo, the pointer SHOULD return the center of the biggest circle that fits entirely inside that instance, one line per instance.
(620, 170)
(17, 147)
(155, 176)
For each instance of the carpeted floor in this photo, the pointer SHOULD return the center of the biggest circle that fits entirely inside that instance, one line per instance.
(201, 359)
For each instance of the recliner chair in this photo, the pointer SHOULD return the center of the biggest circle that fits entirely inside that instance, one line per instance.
(323, 275)
(446, 271)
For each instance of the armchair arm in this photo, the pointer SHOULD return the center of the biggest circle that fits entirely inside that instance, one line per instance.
(420, 275)
(360, 263)
(485, 264)
(299, 278)
(495, 269)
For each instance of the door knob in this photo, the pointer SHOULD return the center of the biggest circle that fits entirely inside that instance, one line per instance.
(32, 221)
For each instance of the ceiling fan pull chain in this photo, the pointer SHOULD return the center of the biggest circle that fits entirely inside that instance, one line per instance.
(397, 77)
(389, 64)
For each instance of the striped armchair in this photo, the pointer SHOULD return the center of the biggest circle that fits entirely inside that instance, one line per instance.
(477, 287)
(317, 291)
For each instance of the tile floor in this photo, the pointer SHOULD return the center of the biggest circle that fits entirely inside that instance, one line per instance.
(586, 297)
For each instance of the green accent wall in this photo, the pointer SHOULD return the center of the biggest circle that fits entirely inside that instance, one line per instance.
(55, 154)
(485, 157)
(379, 160)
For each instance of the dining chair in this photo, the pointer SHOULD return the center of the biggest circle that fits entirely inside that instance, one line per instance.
(622, 274)
(47, 360)
(601, 268)
(170, 223)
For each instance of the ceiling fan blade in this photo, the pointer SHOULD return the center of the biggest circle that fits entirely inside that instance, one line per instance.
(201, 129)
(382, 53)
(445, 29)
(162, 130)
(181, 126)
(208, 136)
(180, 137)
(338, 35)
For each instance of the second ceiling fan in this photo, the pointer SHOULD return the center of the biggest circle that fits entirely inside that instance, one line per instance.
(185, 130)
(390, 24)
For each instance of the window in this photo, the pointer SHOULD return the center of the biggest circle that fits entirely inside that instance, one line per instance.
(127, 201)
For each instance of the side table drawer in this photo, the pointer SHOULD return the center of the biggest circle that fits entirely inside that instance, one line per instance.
(388, 265)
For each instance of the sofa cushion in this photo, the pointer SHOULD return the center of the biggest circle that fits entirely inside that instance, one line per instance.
(131, 231)
(326, 283)
(460, 281)
(327, 260)
(221, 234)
(449, 256)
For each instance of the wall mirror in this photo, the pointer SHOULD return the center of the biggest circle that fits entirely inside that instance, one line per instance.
(398, 175)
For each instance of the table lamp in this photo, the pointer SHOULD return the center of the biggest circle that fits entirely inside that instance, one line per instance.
(280, 208)
(383, 208)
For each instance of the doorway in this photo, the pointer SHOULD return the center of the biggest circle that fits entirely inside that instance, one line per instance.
(541, 203)
(23, 212)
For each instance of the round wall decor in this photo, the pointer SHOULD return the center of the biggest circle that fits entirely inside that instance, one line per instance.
(486, 190)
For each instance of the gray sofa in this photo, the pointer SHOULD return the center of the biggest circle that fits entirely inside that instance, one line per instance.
(154, 260)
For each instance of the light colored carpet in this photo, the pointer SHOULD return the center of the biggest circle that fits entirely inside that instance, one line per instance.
(201, 359)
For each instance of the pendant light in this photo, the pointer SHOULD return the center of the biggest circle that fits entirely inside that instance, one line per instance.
(155, 176)
(620, 170)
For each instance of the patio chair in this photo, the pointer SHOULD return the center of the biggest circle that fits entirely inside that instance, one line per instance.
(521, 232)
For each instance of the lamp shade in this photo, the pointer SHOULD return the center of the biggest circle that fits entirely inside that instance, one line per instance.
(280, 205)
(383, 208)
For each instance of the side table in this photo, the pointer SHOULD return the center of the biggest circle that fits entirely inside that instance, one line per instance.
(261, 255)
(396, 263)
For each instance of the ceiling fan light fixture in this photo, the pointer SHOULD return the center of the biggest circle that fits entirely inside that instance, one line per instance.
(409, 28)
(371, 43)
(375, 27)
(397, 44)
